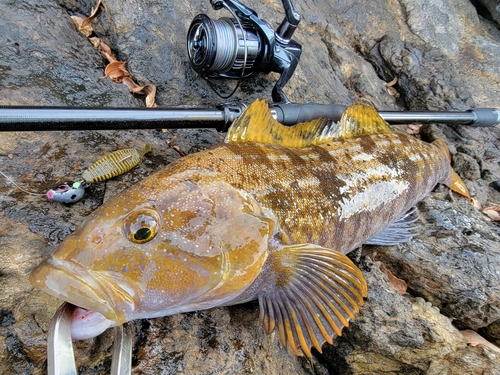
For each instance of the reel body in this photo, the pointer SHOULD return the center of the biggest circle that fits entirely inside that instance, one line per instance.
(245, 45)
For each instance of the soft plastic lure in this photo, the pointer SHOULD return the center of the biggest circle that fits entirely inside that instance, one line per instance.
(114, 164)
(109, 166)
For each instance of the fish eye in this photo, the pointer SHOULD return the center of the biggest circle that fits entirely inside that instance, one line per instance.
(141, 226)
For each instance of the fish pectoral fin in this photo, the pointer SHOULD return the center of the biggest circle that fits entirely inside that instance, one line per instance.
(398, 232)
(316, 292)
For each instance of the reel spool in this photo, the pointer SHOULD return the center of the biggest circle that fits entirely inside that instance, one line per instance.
(243, 46)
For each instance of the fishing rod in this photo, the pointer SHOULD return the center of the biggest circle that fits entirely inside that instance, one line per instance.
(234, 48)
(22, 118)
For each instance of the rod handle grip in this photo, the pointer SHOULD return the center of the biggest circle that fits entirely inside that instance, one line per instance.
(293, 113)
(486, 117)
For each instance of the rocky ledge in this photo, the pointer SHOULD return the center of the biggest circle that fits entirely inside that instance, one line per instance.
(391, 54)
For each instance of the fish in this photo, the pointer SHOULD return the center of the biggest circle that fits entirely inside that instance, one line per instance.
(114, 164)
(267, 215)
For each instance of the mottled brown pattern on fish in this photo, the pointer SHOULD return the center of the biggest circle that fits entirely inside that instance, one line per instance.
(267, 215)
(309, 189)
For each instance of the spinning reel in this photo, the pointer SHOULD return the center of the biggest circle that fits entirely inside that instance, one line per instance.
(244, 45)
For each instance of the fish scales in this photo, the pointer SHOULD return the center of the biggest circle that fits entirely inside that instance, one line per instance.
(269, 214)
(308, 189)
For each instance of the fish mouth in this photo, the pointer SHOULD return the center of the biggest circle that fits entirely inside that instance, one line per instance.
(102, 292)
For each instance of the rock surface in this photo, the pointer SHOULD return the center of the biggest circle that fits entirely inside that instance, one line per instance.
(444, 54)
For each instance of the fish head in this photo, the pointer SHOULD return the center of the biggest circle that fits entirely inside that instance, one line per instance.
(169, 244)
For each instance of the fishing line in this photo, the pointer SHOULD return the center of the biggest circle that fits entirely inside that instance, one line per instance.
(19, 187)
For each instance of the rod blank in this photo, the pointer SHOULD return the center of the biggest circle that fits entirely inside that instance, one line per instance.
(20, 118)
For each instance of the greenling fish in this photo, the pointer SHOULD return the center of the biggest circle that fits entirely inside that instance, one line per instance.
(269, 214)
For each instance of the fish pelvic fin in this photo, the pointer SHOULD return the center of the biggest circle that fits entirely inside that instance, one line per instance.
(315, 294)
(456, 184)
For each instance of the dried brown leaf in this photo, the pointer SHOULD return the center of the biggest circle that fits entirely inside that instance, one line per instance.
(474, 339)
(393, 92)
(398, 283)
(413, 129)
(115, 69)
(493, 212)
(95, 10)
(95, 42)
(150, 92)
(84, 25)
(79, 23)
(392, 83)
(105, 50)
(475, 203)
(129, 82)
(176, 148)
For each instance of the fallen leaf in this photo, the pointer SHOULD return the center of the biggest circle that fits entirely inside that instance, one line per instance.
(115, 70)
(413, 129)
(84, 25)
(392, 83)
(398, 283)
(176, 148)
(475, 203)
(493, 212)
(473, 339)
(84, 29)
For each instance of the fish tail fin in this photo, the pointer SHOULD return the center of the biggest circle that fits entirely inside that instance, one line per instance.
(316, 292)
(456, 184)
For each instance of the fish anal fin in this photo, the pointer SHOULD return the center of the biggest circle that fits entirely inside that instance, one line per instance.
(398, 232)
(316, 291)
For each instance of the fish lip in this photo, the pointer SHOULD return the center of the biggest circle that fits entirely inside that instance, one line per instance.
(91, 291)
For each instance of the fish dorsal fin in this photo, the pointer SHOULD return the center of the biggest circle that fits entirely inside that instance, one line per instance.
(359, 120)
(316, 292)
(257, 125)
